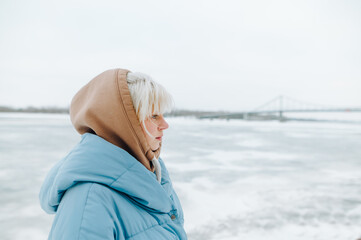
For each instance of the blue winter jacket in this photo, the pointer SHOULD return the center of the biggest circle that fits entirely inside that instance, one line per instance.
(99, 191)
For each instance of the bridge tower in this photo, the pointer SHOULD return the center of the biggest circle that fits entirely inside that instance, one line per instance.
(281, 108)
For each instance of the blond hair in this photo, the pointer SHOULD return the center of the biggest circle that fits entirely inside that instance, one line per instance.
(149, 97)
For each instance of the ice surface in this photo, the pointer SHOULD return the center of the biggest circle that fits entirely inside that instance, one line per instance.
(235, 179)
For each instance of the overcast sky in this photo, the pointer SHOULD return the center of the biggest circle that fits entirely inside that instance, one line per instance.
(210, 55)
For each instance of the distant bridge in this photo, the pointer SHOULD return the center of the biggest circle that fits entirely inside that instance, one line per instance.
(275, 108)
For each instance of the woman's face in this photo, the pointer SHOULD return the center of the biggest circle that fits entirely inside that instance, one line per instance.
(155, 126)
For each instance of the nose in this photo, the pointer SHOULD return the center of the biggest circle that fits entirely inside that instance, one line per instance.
(163, 125)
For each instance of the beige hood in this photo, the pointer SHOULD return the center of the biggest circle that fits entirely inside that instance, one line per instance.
(104, 107)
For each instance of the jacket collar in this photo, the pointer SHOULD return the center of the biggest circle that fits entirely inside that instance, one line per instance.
(97, 160)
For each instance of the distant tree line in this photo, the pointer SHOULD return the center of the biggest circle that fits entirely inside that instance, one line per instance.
(174, 113)
(35, 109)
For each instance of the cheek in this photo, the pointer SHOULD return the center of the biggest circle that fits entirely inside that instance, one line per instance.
(151, 127)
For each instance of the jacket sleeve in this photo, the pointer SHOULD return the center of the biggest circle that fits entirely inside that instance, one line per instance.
(86, 211)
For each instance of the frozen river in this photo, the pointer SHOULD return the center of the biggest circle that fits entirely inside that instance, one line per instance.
(235, 179)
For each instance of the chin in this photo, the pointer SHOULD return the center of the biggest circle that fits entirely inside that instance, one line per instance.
(155, 147)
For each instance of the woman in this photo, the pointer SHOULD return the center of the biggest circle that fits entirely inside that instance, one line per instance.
(113, 185)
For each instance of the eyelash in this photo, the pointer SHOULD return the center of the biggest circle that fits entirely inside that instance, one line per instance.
(154, 116)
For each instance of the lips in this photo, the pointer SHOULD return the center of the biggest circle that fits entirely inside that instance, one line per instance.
(159, 138)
